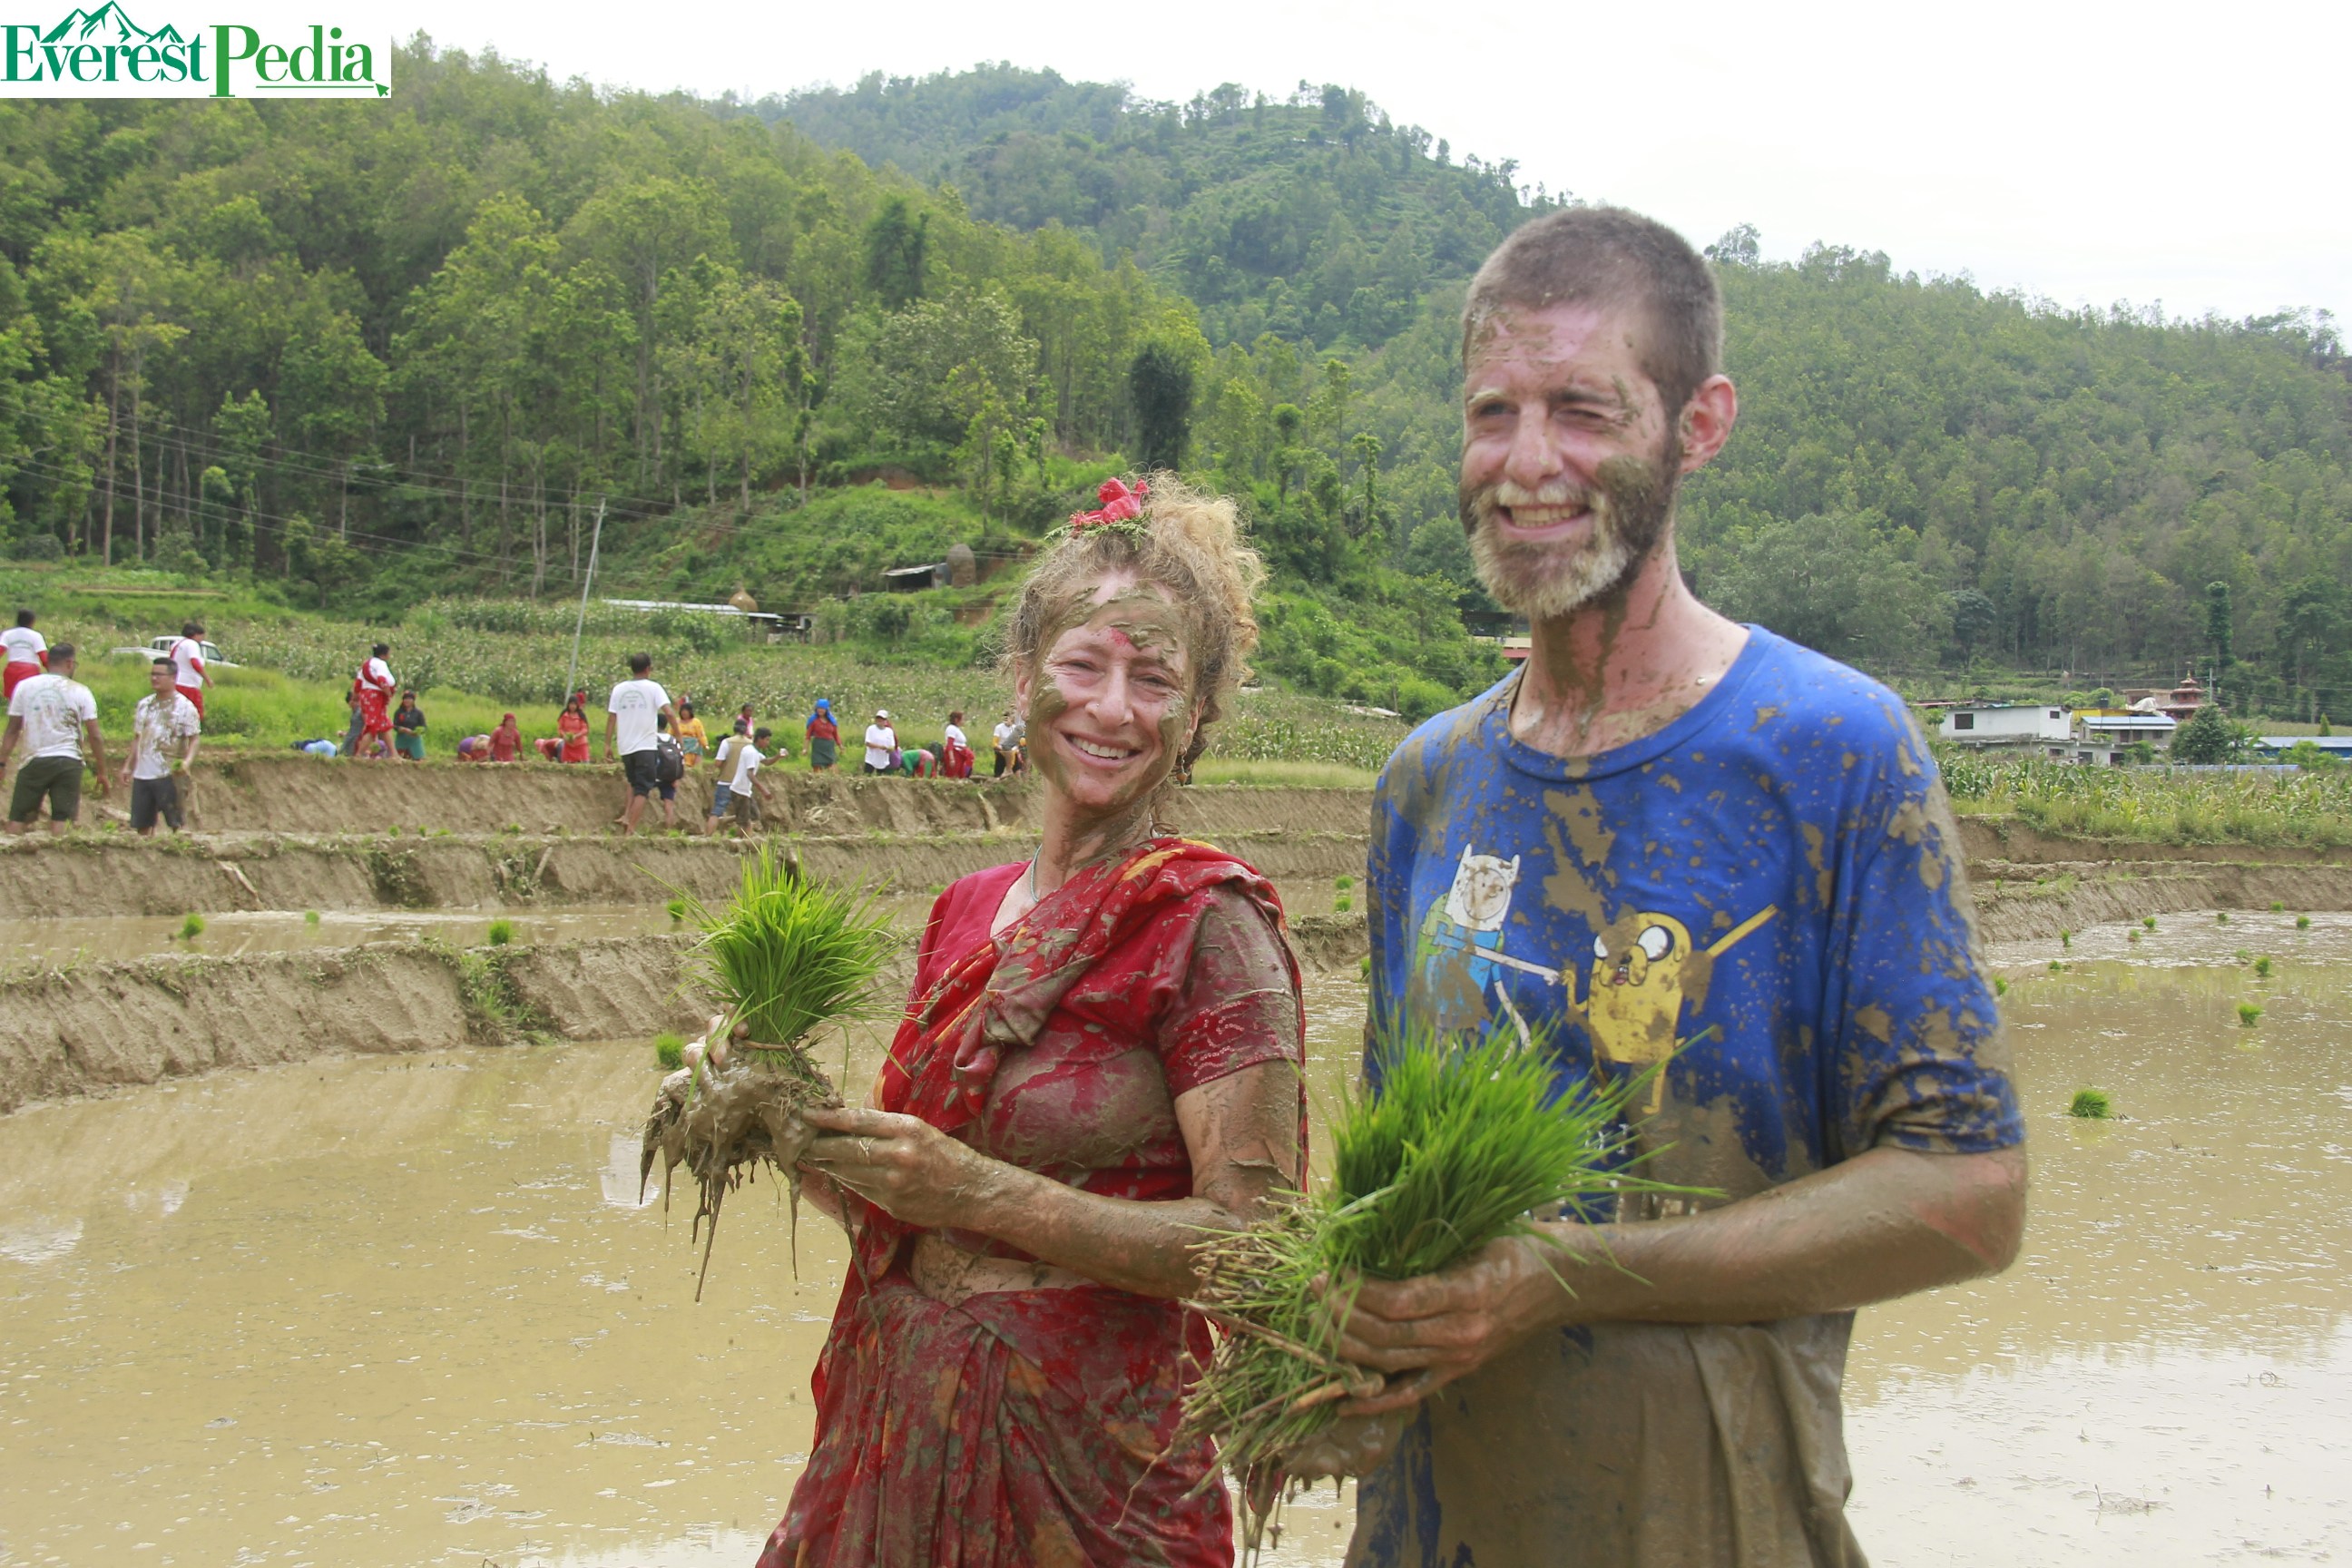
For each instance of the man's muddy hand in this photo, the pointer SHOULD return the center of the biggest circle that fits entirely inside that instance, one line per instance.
(1352, 1445)
(1427, 1331)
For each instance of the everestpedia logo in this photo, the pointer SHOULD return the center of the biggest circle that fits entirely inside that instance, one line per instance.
(102, 53)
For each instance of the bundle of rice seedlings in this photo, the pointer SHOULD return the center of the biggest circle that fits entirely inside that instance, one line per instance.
(1463, 1144)
(786, 957)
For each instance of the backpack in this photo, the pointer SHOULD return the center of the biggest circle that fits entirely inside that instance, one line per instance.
(670, 764)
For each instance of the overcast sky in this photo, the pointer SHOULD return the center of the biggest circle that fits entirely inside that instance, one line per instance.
(2088, 152)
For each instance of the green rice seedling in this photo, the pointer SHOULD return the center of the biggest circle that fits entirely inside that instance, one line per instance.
(1343, 882)
(2148, 921)
(2091, 1105)
(2277, 908)
(394, 830)
(1460, 1145)
(676, 908)
(310, 917)
(2222, 917)
(1342, 904)
(2248, 1015)
(2243, 956)
(669, 1050)
(192, 927)
(2000, 986)
(2302, 923)
(2066, 939)
(2055, 967)
(2132, 935)
(784, 957)
(2263, 967)
(501, 933)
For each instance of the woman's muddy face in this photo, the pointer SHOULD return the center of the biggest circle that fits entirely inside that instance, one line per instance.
(1109, 702)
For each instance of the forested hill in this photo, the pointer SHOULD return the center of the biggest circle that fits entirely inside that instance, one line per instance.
(1313, 216)
(363, 352)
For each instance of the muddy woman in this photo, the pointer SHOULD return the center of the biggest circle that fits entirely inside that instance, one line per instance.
(1101, 1056)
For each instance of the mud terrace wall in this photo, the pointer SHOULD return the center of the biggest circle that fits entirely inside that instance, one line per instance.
(92, 1027)
(294, 834)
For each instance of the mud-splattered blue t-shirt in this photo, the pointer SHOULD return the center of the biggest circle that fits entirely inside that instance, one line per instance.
(1767, 895)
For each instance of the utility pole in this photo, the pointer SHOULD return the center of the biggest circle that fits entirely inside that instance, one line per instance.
(596, 538)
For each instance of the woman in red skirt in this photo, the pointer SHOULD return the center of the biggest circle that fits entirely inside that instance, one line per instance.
(1101, 1057)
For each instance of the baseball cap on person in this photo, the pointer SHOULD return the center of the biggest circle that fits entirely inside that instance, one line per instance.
(881, 712)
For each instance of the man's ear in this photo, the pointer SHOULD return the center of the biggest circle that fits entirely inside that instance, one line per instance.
(1021, 687)
(1707, 421)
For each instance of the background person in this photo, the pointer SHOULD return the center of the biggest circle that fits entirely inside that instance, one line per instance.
(722, 773)
(632, 727)
(374, 687)
(506, 740)
(188, 657)
(955, 749)
(747, 793)
(408, 727)
(1100, 1056)
(164, 730)
(881, 744)
(692, 738)
(55, 716)
(572, 728)
(823, 738)
(27, 651)
(1007, 738)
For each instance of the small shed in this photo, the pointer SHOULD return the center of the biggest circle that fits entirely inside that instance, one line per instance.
(915, 579)
(2011, 724)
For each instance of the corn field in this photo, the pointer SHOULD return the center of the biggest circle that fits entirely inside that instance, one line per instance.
(2310, 809)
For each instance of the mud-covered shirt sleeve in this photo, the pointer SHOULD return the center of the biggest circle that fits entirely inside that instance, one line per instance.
(1237, 1005)
(1918, 1057)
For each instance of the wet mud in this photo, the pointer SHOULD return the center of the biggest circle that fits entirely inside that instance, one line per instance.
(403, 1309)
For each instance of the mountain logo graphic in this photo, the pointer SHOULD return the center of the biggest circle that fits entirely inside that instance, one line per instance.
(108, 24)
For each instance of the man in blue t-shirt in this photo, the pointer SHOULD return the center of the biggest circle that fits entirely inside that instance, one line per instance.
(1667, 839)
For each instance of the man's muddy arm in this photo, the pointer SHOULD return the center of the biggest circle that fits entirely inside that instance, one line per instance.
(1242, 1132)
(1886, 1224)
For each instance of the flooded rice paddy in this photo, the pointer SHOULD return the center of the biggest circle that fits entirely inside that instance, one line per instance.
(410, 1311)
(42, 944)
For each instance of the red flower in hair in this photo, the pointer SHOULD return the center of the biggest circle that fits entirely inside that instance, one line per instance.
(1118, 504)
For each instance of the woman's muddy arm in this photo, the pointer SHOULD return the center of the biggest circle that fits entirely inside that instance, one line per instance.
(1242, 1132)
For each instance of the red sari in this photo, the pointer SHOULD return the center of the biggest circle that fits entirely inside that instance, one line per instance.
(1031, 1428)
(573, 725)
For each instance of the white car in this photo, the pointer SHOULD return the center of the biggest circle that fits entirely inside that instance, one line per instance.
(158, 648)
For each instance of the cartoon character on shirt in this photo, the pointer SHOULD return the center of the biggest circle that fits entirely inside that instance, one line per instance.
(1644, 968)
(1461, 955)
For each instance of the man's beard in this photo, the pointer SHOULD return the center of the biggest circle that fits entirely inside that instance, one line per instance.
(1629, 505)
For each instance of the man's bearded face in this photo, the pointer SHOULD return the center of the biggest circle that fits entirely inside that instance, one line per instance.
(1628, 504)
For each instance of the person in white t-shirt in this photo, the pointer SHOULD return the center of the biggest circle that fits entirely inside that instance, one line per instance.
(28, 653)
(188, 657)
(881, 744)
(722, 776)
(54, 715)
(633, 716)
(746, 793)
(163, 730)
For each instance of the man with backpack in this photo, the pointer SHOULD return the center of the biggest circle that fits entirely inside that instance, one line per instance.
(669, 766)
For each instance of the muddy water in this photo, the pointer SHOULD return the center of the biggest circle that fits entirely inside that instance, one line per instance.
(40, 944)
(408, 1311)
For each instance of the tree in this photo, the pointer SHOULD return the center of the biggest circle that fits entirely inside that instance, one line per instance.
(1974, 618)
(897, 242)
(2207, 737)
(2217, 628)
(1832, 583)
(1159, 388)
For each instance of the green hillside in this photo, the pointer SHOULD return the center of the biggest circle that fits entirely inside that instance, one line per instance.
(352, 356)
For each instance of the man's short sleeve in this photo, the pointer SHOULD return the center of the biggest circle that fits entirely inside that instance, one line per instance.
(1920, 1059)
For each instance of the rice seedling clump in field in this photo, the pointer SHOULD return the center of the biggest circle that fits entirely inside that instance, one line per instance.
(786, 957)
(1459, 1145)
(2091, 1105)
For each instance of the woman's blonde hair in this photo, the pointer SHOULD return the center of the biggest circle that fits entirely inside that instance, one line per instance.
(1186, 542)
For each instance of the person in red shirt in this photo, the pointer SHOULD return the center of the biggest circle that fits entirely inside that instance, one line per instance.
(188, 657)
(506, 740)
(571, 725)
(375, 686)
(1101, 1057)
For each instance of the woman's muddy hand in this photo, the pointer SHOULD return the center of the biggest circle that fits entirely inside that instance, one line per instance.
(902, 1164)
